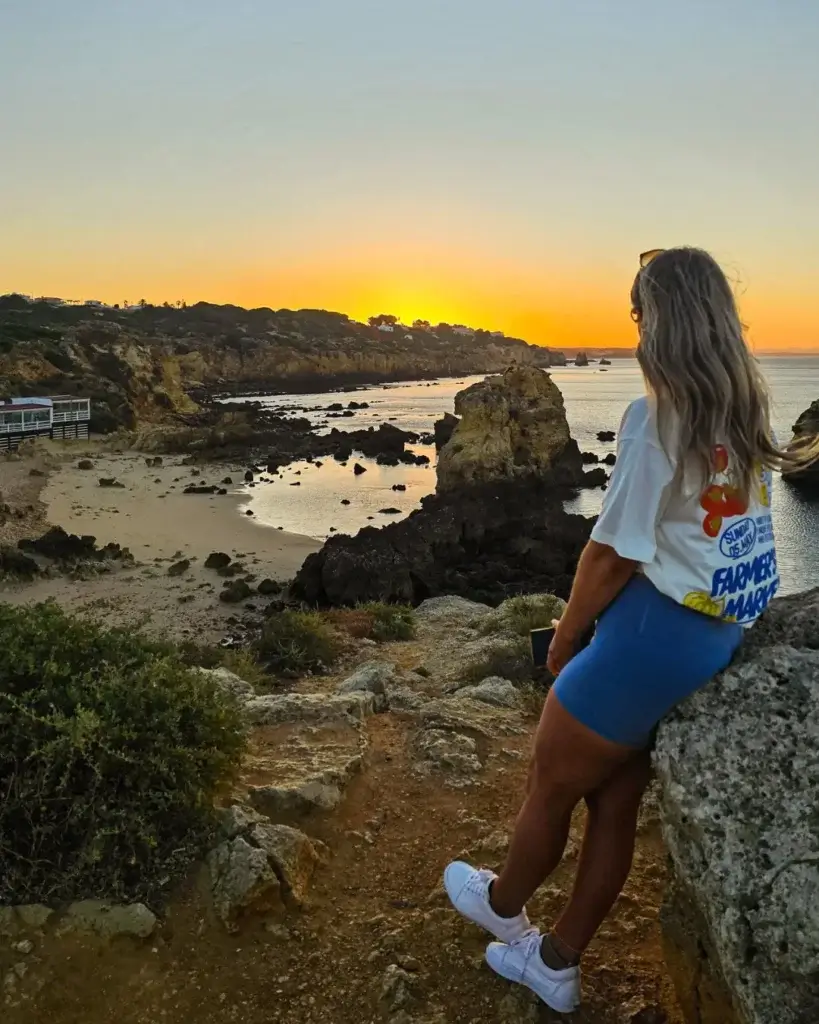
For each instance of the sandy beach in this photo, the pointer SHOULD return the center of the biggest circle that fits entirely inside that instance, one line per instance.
(150, 515)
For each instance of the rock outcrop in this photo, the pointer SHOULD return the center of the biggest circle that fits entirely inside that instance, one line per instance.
(805, 428)
(510, 426)
(495, 527)
(738, 765)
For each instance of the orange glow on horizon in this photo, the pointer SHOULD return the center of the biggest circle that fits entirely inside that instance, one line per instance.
(571, 307)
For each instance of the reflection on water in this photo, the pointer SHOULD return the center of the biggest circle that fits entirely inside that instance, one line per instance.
(316, 504)
(594, 401)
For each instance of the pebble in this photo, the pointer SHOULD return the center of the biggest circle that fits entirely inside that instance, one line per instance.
(25, 947)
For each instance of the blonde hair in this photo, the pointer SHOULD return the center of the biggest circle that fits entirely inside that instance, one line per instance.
(695, 360)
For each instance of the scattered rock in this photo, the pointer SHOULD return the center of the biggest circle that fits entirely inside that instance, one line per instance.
(235, 591)
(606, 435)
(494, 690)
(610, 459)
(345, 501)
(179, 568)
(109, 481)
(390, 511)
(108, 920)
(371, 677)
(444, 429)
(358, 469)
(85, 464)
(217, 560)
(453, 754)
(399, 989)
(14, 563)
(589, 458)
(242, 881)
(268, 587)
(293, 856)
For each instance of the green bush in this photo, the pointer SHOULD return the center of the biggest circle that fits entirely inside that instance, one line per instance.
(390, 621)
(111, 754)
(296, 642)
(523, 614)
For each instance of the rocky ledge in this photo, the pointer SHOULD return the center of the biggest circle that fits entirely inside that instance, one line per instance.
(739, 770)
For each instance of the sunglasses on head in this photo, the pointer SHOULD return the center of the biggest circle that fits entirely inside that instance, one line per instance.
(647, 257)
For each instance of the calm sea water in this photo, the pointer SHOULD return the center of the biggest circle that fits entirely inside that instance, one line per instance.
(595, 400)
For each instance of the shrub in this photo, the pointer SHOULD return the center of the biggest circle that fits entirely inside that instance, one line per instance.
(391, 621)
(296, 642)
(243, 662)
(376, 621)
(523, 614)
(111, 753)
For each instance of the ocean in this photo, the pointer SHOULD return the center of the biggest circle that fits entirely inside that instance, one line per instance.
(595, 401)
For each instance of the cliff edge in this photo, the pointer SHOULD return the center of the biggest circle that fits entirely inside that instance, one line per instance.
(738, 765)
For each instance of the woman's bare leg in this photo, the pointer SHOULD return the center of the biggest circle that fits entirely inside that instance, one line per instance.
(608, 848)
(569, 761)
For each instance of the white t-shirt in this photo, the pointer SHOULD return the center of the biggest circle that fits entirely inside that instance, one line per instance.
(710, 550)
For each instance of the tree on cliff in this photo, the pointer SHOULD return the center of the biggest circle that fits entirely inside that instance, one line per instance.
(383, 318)
(421, 325)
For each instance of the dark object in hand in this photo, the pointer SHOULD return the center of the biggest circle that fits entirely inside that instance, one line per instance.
(542, 638)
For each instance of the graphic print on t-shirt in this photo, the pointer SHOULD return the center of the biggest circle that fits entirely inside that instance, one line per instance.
(747, 579)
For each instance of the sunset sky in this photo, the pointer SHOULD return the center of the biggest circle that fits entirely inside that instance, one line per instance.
(498, 163)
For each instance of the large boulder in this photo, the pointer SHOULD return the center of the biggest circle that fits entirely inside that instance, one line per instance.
(510, 426)
(484, 543)
(806, 428)
(738, 765)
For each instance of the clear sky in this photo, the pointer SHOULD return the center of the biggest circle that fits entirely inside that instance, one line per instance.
(495, 162)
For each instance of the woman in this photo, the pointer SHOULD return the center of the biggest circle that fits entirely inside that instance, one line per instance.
(680, 561)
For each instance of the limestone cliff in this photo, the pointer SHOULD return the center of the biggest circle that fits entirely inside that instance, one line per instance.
(510, 426)
(739, 771)
(142, 364)
(806, 427)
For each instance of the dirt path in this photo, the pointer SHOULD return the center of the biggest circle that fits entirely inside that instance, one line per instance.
(378, 901)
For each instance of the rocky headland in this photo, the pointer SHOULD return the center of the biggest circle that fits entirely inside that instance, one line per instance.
(156, 363)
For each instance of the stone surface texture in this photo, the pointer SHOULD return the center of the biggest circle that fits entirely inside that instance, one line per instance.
(511, 425)
(738, 765)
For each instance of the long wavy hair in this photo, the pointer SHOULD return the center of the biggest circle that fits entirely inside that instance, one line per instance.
(696, 362)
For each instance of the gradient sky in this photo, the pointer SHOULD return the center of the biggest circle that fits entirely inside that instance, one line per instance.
(493, 162)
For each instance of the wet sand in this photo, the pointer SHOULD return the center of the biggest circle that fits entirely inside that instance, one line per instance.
(160, 525)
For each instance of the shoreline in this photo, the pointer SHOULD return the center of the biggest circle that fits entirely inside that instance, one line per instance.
(159, 531)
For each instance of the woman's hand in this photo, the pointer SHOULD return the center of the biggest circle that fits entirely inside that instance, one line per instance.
(561, 650)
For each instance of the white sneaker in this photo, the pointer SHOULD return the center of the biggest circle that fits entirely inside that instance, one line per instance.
(468, 889)
(520, 961)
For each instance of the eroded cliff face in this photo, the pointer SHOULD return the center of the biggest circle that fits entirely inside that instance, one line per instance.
(152, 364)
(510, 426)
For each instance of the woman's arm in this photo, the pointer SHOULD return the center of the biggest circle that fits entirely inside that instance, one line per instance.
(601, 575)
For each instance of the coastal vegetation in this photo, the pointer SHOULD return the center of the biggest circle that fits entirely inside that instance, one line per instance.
(111, 755)
(156, 363)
